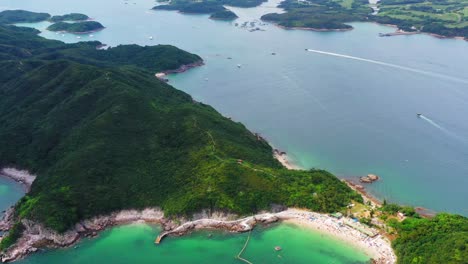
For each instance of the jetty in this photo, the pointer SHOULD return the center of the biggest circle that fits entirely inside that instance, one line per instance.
(237, 226)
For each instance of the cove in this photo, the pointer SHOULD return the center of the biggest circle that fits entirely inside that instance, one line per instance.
(134, 244)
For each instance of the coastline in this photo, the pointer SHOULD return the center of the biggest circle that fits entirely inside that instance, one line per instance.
(23, 177)
(36, 236)
(399, 32)
(378, 248)
(312, 29)
(79, 33)
(183, 68)
(282, 157)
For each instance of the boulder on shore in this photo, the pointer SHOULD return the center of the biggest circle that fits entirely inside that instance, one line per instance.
(370, 178)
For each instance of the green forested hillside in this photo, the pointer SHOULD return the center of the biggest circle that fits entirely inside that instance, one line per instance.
(103, 134)
(21, 16)
(69, 17)
(443, 239)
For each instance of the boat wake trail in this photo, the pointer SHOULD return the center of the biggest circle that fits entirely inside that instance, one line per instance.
(433, 74)
(443, 129)
(433, 123)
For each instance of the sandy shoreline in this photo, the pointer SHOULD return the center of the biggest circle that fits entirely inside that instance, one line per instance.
(378, 248)
(185, 67)
(36, 235)
(21, 176)
(285, 161)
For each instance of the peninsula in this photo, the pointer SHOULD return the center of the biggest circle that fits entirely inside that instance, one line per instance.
(224, 15)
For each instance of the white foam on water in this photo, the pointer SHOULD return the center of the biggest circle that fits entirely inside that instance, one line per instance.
(432, 74)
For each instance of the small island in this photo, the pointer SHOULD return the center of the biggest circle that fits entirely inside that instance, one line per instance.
(224, 15)
(22, 16)
(69, 17)
(78, 28)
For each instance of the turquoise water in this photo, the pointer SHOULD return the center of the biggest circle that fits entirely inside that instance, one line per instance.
(350, 115)
(134, 244)
(10, 193)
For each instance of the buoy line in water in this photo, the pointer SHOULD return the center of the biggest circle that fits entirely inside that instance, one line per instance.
(242, 250)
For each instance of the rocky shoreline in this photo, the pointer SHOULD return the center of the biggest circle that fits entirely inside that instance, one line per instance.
(183, 68)
(37, 236)
(316, 29)
(80, 33)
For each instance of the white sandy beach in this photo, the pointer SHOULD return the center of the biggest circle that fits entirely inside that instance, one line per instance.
(379, 248)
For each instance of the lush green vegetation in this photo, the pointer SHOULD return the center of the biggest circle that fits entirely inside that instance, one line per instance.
(442, 239)
(320, 14)
(442, 17)
(103, 134)
(14, 234)
(78, 27)
(224, 15)
(69, 17)
(21, 16)
(206, 6)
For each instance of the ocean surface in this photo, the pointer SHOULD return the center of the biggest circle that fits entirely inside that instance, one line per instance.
(134, 244)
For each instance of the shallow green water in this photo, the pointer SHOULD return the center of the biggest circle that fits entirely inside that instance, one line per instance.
(10, 193)
(134, 244)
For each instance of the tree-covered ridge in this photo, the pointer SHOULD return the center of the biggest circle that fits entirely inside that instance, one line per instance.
(77, 27)
(21, 16)
(443, 17)
(443, 239)
(103, 134)
(69, 17)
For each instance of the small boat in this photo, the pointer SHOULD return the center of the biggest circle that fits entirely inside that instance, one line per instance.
(273, 53)
(78, 37)
(91, 36)
(150, 37)
(278, 248)
(238, 65)
(418, 114)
